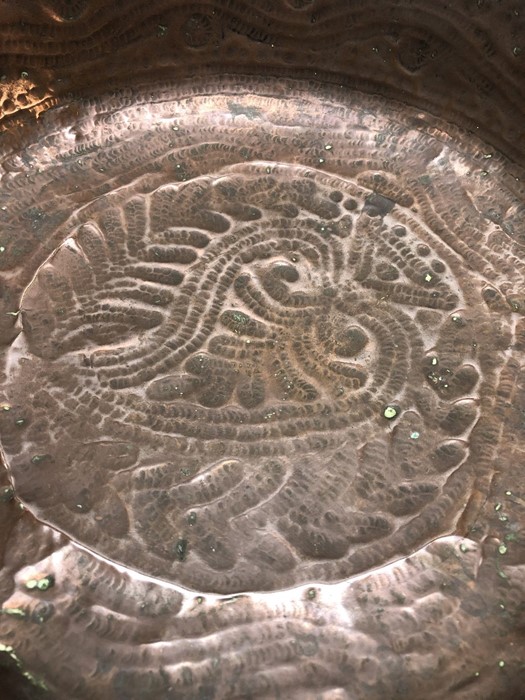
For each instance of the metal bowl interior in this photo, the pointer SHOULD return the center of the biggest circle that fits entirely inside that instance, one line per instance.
(262, 326)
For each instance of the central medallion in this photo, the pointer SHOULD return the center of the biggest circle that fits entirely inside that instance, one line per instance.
(258, 356)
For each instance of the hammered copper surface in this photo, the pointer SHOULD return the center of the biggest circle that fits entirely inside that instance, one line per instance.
(263, 321)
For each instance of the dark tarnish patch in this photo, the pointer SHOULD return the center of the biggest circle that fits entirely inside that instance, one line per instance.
(247, 111)
(378, 205)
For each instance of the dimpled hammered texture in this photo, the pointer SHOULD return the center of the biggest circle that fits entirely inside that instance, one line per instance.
(263, 387)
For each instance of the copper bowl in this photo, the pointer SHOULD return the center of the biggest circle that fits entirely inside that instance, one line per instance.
(262, 314)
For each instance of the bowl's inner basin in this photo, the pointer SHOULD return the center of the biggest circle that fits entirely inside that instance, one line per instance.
(266, 329)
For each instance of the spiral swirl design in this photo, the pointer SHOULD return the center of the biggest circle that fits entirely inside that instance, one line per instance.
(260, 357)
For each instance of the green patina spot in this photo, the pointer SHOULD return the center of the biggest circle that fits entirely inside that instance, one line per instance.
(502, 549)
(37, 682)
(181, 549)
(390, 412)
(501, 573)
(6, 494)
(250, 112)
(37, 459)
(16, 612)
(45, 583)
